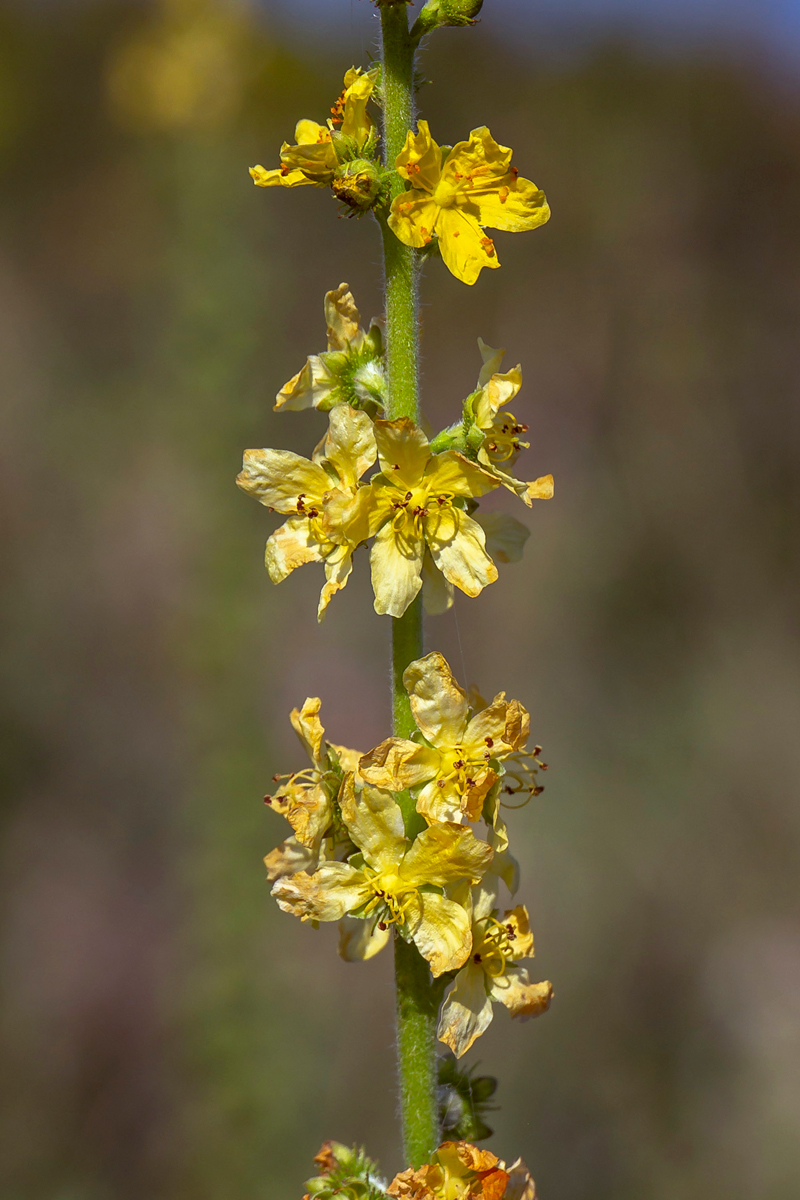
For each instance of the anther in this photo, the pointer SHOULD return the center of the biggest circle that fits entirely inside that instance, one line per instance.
(489, 742)
(503, 194)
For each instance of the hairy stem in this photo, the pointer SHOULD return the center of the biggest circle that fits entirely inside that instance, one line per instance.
(417, 996)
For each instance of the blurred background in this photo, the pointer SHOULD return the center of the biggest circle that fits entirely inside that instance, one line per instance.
(167, 1033)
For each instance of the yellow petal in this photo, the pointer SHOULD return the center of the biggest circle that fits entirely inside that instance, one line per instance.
(277, 477)
(540, 489)
(452, 472)
(361, 940)
(420, 160)
(437, 702)
(317, 162)
(518, 928)
(356, 122)
(343, 319)
(348, 759)
(414, 218)
(338, 567)
(307, 389)
(437, 592)
(466, 1011)
(465, 248)
(491, 723)
(505, 536)
(308, 727)
(520, 1184)
(374, 822)
(440, 929)
(346, 515)
(493, 189)
(350, 444)
(496, 393)
(289, 858)
(333, 890)
(398, 764)
(309, 133)
(457, 544)
(396, 563)
(403, 451)
(492, 361)
(292, 545)
(521, 998)
(278, 177)
(444, 854)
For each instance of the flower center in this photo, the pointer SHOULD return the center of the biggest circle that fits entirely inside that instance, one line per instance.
(445, 194)
(415, 505)
(390, 898)
(494, 948)
(503, 438)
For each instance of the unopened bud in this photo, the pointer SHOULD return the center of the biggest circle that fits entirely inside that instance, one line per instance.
(446, 12)
(357, 184)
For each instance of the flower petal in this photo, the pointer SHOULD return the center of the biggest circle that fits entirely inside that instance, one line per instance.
(374, 821)
(452, 472)
(350, 444)
(518, 928)
(333, 890)
(396, 565)
(440, 929)
(499, 391)
(307, 389)
(291, 546)
(437, 592)
(403, 451)
(289, 858)
(338, 567)
(505, 536)
(467, 1010)
(277, 177)
(520, 1184)
(420, 160)
(445, 853)
(492, 361)
(414, 218)
(437, 702)
(465, 248)
(457, 544)
(496, 192)
(278, 477)
(308, 727)
(343, 319)
(399, 763)
(522, 998)
(361, 940)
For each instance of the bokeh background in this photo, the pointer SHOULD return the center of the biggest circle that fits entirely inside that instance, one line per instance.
(168, 1034)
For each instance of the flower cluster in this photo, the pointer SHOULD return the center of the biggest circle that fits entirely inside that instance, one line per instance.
(419, 508)
(351, 858)
(449, 196)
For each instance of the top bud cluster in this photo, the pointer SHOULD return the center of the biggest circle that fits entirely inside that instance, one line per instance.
(452, 194)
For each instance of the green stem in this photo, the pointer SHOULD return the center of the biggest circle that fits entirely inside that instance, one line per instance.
(417, 996)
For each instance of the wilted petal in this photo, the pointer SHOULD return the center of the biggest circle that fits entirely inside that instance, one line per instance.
(292, 545)
(307, 388)
(278, 477)
(374, 821)
(452, 473)
(467, 1010)
(342, 319)
(289, 858)
(338, 567)
(438, 704)
(308, 727)
(361, 940)
(348, 759)
(522, 998)
(333, 890)
(520, 1185)
(446, 853)
(541, 489)
(492, 361)
(399, 763)
(441, 931)
(505, 536)
(437, 592)
(350, 444)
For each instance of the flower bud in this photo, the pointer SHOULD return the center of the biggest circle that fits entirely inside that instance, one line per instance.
(446, 12)
(357, 184)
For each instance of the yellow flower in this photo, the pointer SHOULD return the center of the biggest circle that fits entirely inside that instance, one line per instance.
(501, 442)
(461, 1171)
(350, 372)
(492, 974)
(327, 508)
(307, 799)
(458, 762)
(475, 186)
(314, 160)
(394, 882)
(414, 506)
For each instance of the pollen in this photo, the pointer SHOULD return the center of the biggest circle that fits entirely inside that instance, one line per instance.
(503, 194)
(488, 246)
